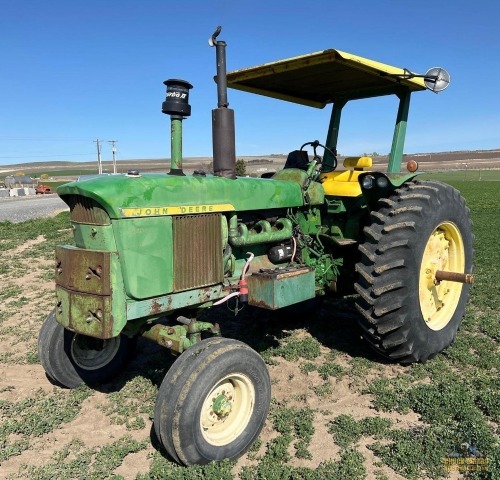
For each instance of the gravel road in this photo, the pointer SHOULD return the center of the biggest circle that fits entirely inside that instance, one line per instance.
(20, 209)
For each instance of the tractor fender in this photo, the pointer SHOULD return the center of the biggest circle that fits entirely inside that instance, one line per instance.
(382, 184)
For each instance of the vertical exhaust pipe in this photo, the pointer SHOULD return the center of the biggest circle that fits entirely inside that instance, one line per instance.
(223, 136)
(176, 105)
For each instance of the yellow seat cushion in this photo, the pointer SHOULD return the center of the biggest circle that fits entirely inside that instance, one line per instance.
(345, 184)
(358, 162)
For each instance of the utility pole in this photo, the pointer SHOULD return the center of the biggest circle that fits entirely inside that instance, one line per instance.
(99, 162)
(113, 150)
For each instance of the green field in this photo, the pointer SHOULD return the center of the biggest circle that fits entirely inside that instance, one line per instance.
(464, 176)
(339, 411)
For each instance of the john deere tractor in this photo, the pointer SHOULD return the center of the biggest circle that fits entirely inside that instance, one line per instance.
(154, 251)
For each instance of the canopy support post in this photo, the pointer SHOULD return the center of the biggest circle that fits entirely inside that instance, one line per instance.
(333, 135)
(398, 141)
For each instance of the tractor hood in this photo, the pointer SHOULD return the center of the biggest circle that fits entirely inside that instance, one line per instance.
(158, 194)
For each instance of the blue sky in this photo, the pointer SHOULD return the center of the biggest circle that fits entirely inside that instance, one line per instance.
(73, 71)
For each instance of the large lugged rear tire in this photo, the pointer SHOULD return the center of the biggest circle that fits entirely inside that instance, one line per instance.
(423, 227)
(213, 402)
(71, 359)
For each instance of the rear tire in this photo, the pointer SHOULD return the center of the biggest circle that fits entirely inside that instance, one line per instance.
(213, 402)
(71, 359)
(423, 227)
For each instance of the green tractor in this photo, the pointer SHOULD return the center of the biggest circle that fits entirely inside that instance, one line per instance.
(154, 251)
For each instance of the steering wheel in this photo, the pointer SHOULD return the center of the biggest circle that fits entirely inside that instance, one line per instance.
(317, 158)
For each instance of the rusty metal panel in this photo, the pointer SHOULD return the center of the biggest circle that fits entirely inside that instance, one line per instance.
(83, 313)
(63, 306)
(86, 210)
(169, 303)
(197, 249)
(280, 287)
(82, 270)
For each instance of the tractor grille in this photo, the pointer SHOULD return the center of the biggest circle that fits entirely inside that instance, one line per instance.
(197, 251)
(86, 210)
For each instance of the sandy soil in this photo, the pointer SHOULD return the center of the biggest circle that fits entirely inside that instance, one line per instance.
(19, 380)
(95, 428)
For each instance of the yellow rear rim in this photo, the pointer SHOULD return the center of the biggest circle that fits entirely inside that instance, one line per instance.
(227, 410)
(444, 251)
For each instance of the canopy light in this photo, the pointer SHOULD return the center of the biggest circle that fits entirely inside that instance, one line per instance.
(436, 79)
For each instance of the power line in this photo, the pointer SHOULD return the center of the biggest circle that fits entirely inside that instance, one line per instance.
(51, 139)
(50, 155)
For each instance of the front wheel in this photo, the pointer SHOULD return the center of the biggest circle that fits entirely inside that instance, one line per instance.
(71, 359)
(407, 314)
(213, 402)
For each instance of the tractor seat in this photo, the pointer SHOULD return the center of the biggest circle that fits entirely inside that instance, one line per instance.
(345, 183)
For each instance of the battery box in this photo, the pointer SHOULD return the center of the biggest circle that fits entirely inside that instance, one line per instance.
(279, 287)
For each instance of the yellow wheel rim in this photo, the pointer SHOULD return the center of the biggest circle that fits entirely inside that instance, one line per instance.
(227, 410)
(444, 251)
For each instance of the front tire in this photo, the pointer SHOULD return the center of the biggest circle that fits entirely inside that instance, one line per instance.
(423, 227)
(213, 402)
(71, 359)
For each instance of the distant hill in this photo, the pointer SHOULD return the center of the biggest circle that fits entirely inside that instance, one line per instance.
(473, 159)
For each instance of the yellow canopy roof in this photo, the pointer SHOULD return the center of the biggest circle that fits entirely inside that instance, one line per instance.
(323, 77)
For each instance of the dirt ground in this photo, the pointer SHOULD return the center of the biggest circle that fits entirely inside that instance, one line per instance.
(333, 325)
(20, 380)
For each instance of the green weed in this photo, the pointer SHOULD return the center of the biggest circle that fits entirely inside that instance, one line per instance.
(13, 235)
(349, 466)
(126, 405)
(74, 461)
(347, 431)
(254, 449)
(414, 453)
(36, 416)
(307, 367)
(6, 357)
(32, 357)
(291, 423)
(293, 349)
(48, 275)
(162, 469)
(328, 370)
(455, 409)
(18, 303)
(10, 291)
(388, 394)
(323, 390)
(360, 366)
(474, 350)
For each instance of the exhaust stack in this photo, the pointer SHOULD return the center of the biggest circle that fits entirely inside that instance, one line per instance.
(176, 105)
(223, 137)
